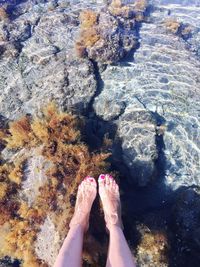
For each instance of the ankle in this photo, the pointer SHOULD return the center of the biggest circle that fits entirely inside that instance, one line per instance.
(114, 227)
(77, 227)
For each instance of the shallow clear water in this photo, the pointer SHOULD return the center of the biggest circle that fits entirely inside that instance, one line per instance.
(135, 78)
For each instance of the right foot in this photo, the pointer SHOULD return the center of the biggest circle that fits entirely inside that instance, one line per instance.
(109, 194)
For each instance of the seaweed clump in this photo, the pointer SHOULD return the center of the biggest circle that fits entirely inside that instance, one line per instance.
(110, 34)
(88, 31)
(135, 10)
(153, 248)
(55, 137)
(183, 30)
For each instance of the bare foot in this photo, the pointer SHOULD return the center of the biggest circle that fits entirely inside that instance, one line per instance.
(87, 191)
(109, 193)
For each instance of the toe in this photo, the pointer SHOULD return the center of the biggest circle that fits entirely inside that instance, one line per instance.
(113, 184)
(91, 181)
(80, 190)
(101, 180)
(80, 187)
(83, 183)
(108, 180)
(87, 182)
(110, 177)
(116, 189)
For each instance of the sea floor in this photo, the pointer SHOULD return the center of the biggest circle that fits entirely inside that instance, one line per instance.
(88, 87)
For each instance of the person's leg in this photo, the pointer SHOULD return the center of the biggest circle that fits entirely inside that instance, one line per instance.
(119, 254)
(70, 254)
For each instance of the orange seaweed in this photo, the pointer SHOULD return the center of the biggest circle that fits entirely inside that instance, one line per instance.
(59, 135)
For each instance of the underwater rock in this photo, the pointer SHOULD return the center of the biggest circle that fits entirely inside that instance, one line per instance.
(136, 128)
(48, 242)
(185, 225)
(35, 168)
(186, 19)
(153, 94)
(152, 249)
(109, 35)
(38, 62)
(115, 40)
(163, 79)
(109, 110)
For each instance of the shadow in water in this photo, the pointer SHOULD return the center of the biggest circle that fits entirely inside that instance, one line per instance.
(156, 205)
(9, 263)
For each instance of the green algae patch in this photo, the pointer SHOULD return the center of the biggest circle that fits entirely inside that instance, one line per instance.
(46, 161)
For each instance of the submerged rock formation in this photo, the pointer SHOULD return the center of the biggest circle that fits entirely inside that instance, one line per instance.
(152, 250)
(111, 34)
(163, 80)
(37, 46)
(136, 128)
(185, 225)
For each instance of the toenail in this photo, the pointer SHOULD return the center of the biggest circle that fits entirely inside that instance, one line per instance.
(88, 177)
(91, 179)
(102, 176)
(107, 176)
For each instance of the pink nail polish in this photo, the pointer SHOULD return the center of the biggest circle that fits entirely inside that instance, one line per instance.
(109, 176)
(91, 179)
(102, 176)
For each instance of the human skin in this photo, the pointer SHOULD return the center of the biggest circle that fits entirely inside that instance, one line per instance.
(119, 254)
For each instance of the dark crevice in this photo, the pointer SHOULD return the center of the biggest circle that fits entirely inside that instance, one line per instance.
(12, 8)
(99, 87)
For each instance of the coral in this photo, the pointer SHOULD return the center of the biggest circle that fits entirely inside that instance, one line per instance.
(2, 134)
(54, 139)
(8, 208)
(116, 3)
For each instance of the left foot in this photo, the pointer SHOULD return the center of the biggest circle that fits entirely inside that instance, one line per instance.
(87, 191)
